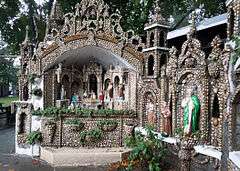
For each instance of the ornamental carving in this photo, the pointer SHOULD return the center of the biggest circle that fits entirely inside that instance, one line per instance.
(214, 59)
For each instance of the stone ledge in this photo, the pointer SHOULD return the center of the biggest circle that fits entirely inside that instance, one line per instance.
(65, 157)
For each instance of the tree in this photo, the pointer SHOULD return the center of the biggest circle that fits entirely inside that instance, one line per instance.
(8, 72)
(135, 14)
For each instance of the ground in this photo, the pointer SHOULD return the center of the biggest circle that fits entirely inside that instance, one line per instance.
(6, 101)
(11, 162)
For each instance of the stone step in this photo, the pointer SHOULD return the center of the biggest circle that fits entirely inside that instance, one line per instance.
(67, 157)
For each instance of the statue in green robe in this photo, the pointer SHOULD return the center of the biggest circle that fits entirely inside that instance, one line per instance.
(191, 112)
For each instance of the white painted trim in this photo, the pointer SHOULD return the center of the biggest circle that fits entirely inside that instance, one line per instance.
(228, 2)
(170, 140)
(156, 25)
(155, 48)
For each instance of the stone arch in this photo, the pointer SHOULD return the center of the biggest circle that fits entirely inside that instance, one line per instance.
(149, 104)
(186, 81)
(142, 94)
(151, 63)
(107, 34)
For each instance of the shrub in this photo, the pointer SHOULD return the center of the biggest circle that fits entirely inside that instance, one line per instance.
(73, 122)
(94, 135)
(34, 137)
(148, 150)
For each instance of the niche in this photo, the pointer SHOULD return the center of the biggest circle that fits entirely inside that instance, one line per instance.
(22, 124)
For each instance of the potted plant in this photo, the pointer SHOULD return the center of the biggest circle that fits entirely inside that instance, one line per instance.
(107, 125)
(74, 125)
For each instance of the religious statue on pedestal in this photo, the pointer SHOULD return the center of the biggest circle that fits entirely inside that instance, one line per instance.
(93, 95)
(191, 112)
(167, 116)
(59, 72)
(151, 116)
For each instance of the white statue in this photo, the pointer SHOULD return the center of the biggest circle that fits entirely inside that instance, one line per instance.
(191, 109)
(59, 72)
(63, 93)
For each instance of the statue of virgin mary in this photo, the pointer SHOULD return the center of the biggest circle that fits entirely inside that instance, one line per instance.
(191, 111)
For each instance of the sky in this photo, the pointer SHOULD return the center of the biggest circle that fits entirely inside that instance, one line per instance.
(40, 2)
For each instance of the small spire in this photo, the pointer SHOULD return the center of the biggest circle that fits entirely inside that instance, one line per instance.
(156, 16)
(56, 11)
(193, 28)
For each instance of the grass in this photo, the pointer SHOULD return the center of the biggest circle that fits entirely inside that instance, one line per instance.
(6, 101)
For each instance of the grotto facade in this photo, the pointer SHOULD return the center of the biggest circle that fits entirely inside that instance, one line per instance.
(88, 62)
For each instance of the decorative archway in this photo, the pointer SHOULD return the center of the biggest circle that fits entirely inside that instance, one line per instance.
(144, 93)
(101, 30)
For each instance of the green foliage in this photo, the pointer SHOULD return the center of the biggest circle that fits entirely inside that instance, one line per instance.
(107, 125)
(179, 131)
(107, 122)
(74, 122)
(37, 92)
(146, 149)
(6, 101)
(8, 72)
(34, 137)
(53, 111)
(134, 15)
(94, 135)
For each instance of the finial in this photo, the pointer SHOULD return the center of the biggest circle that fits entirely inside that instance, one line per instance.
(193, 24)
(56, 11)
(156, 16)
